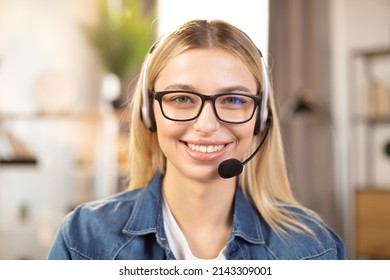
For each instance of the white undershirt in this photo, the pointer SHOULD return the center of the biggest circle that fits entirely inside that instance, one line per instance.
(176, 239)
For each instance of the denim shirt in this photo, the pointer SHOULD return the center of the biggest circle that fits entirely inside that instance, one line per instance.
(129, 225)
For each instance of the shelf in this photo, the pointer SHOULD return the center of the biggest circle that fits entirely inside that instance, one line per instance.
(18, 162)
(371, 120)
(75, 115)
(372, 53)
(369, 114)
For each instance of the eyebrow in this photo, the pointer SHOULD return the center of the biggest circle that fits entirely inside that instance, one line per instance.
(180, 87)
(234, 88)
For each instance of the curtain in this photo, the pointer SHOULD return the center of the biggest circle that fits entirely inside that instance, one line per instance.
(299, 58)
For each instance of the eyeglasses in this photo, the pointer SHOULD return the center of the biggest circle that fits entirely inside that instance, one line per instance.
(182, 105)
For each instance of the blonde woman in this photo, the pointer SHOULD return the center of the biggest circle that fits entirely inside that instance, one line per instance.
(207, 171)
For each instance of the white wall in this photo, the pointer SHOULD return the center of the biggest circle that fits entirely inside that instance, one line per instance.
(43, 37)
(249, 15)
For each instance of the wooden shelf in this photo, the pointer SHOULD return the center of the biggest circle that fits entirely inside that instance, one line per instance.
(73, 115)
(18, 161)
(372, 120)
(374, 52)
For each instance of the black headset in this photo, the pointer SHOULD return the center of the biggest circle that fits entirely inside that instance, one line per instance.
(147, 101)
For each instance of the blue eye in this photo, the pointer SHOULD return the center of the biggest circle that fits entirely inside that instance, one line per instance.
(234, 100)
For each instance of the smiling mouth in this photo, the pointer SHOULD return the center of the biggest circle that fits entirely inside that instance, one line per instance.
(205, 148)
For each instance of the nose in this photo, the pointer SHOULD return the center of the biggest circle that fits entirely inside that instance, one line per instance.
(207, 120)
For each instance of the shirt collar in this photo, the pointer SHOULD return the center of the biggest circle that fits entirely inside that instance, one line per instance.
(247, 223)
(147, 210)
(146, 216)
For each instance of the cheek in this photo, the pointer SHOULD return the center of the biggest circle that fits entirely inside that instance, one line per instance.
(158, 117)
(246, 130)
(167, 131)
(245, 136)
(161, 122)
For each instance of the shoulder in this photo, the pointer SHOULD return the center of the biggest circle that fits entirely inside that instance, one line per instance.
(115, 206)
(319, 241)
(120, 205)
(102, 229)
(94, 229)
(304, 234)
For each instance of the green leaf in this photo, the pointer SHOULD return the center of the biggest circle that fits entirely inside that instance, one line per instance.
(122, 37)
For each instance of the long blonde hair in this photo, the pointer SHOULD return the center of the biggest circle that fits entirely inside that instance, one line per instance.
(264, 179)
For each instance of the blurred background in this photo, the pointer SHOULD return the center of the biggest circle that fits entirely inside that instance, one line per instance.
(66, 68)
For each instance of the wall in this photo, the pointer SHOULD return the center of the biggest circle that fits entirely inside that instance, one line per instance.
(249, 15)
(42, 38)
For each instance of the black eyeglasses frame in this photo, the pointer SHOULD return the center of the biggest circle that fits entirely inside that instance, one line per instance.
(160, 94)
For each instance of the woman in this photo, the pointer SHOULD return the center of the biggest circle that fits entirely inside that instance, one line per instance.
(201, 110)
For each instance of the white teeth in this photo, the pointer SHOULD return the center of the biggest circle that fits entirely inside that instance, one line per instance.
(205, 149)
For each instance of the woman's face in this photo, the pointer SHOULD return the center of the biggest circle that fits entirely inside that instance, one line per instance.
(195, 148)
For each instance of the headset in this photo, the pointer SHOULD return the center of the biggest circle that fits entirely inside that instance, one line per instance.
(147, 101)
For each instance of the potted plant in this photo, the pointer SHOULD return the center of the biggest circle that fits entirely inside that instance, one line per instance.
(122, 36)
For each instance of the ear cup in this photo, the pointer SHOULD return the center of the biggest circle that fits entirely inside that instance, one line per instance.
(258, 123)
(147, 101)
(263, 107)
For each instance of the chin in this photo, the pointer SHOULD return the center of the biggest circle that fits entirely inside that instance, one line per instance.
(200, 174)
(205, 176)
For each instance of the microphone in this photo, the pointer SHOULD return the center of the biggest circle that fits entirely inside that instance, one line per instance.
(233, 167)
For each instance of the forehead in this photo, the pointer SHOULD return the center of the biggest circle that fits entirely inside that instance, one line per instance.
(207, 70)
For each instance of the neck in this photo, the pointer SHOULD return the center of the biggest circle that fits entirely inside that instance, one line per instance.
(203, 210)
(213, 197)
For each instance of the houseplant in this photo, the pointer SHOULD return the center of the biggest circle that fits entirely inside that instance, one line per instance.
(122, 35)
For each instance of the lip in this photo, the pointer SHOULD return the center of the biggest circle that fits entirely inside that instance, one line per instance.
(205, 151)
